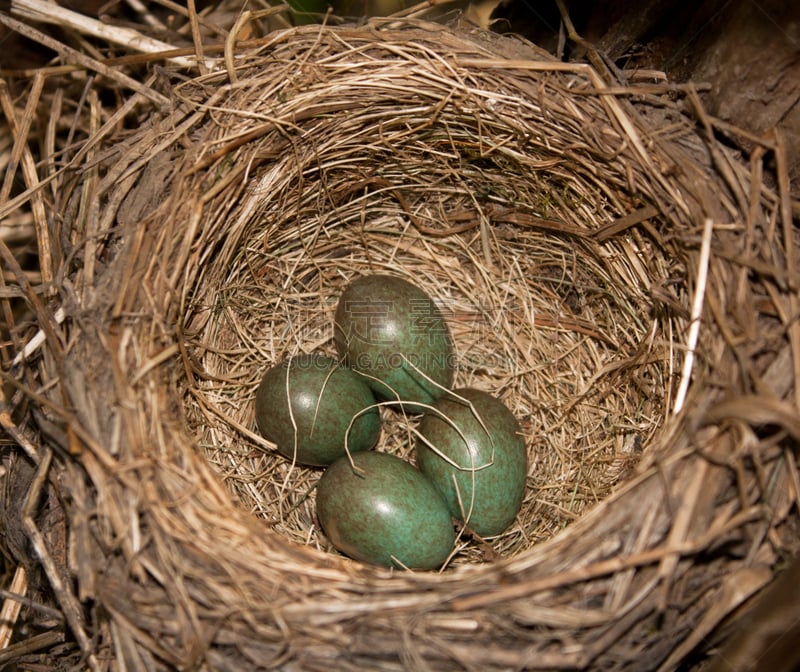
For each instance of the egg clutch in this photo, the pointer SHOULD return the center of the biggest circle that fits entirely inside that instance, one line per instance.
(394, 350)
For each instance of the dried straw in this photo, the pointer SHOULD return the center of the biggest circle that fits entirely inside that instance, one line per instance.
(622, 280)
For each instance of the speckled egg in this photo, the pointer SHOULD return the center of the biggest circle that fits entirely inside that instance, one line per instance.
(392, 331)
(484, 474)
(384, 512)
(305, 405)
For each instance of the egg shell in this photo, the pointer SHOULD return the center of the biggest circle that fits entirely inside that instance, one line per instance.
(391, 330)
(384, 512)
(325, 397)
(493, 458)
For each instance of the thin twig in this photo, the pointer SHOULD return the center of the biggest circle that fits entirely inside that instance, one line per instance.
(11, 606)
(697, 310)
(75, 56)
(47, 12)
(69, 603)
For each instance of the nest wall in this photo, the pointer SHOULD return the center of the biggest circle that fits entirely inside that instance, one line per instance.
(620, 278)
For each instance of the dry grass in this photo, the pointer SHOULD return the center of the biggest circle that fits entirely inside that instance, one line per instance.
(544, 321)
(560, 329)
(556, 217)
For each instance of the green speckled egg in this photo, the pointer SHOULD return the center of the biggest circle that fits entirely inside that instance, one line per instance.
(325, 397)
(385, 327)
(494, 448)
(384, 512)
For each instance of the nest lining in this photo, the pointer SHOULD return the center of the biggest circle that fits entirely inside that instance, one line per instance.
(575, 459)
(243, 193)
(491, 217)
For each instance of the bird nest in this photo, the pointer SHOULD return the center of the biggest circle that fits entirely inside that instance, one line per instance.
(607, 263)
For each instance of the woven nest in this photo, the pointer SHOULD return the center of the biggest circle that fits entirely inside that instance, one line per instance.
(625, 282)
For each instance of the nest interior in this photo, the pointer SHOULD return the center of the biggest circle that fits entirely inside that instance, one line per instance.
(478, 195)
(624, 281)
